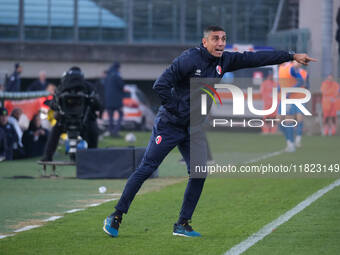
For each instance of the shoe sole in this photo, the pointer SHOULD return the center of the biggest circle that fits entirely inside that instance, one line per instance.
(178, 234)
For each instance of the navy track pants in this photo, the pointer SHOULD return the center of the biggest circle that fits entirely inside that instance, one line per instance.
(165, 136)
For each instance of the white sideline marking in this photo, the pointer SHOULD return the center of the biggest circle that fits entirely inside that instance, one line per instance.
(269, 155)
(75, 210)
(26, 228)
(97, 204)
(52, 218)
(112, 194)
(93, 205)
(109, 200)
(4, 236)
(267, 229)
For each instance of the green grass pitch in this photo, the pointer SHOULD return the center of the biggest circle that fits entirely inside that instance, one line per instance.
(230, 209)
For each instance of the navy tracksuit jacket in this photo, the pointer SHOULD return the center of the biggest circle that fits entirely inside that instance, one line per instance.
(171, 127)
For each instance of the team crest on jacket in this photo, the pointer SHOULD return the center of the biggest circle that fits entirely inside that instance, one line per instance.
(158, 139)
(219, 69)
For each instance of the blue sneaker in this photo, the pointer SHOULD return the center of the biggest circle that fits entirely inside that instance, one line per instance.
(184, 230)
(111, 225)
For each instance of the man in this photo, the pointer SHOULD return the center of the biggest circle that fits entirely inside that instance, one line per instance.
(89, 131)
(11, 135)
(50, 120)
(18, 150)
(39, 84)
(35, 138)
(14, 120)
(114, 93)
(13, 84)
(171, 126)
(289, 76)
(330, 90)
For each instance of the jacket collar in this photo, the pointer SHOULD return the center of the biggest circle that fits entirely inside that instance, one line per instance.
(206, 55)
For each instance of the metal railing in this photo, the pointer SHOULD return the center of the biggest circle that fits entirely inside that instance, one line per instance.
(133, 22)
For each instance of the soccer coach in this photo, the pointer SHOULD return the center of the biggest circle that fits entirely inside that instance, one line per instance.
(171, 127)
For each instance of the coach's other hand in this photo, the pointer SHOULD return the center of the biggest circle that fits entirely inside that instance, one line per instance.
(304, 59)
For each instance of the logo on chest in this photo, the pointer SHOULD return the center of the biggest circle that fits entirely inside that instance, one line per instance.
(158, 139)
(219, 69)
(198, 72)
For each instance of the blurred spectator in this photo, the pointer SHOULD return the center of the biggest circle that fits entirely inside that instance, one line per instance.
(35, 138)
(11, 135)
(39, 84)
(114, 92)
(13, 83)
(14, 120)
(47, 114)
(330, 91)
(3, 145)
(51, 88)
(24, 122)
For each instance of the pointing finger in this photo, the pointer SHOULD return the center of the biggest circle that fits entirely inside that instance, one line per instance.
(311, 59)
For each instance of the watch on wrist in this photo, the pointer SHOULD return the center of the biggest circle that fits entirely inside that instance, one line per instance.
(291, 55)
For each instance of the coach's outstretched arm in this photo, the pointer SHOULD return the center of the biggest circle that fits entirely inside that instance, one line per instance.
(235, 60)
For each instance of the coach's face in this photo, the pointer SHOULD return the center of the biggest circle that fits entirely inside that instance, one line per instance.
(215, 43)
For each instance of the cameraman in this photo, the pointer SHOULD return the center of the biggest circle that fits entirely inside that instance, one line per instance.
(73, 81)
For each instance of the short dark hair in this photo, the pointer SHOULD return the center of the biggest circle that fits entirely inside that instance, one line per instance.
(209, 29)
(75, 68)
